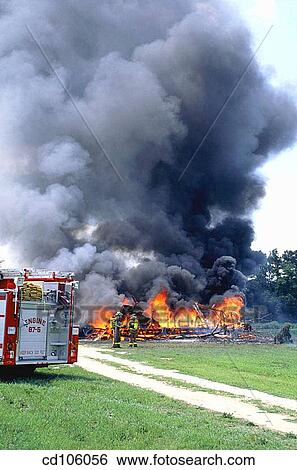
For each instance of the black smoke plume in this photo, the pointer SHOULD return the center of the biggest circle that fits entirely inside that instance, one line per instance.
(149, 77)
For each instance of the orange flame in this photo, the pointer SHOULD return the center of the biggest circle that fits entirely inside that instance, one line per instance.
(158, 308)
(227, 312)
(101, 318)
(159, 311)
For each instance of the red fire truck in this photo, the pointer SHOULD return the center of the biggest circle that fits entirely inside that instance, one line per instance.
(36, 320)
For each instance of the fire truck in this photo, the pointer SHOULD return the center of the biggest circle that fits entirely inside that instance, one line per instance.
(36, 320)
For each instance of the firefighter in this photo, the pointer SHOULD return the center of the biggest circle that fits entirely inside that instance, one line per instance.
(225, 329)
(116, 323)
(133, 330)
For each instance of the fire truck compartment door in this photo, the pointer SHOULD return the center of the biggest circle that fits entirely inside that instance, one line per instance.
(58, 334)
(2, 320)
(33, 331)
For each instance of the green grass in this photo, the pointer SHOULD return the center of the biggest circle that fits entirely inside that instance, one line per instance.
(69, 408)
(269, 368)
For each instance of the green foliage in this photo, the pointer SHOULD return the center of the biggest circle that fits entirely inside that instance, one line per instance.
(275, 285)
(274, 325)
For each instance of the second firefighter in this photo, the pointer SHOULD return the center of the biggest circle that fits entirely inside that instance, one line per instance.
(133, 330)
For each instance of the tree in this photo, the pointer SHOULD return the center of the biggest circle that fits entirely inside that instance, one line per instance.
(275, 285)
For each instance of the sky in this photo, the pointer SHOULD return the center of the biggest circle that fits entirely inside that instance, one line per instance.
(275, 220)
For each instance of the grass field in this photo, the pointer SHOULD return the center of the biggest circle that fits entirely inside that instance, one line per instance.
(69, 408)
(270, 368)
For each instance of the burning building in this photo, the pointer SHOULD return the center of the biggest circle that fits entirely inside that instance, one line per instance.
(159, 319)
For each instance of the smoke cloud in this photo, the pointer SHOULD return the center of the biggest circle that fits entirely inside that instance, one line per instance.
(149, 77)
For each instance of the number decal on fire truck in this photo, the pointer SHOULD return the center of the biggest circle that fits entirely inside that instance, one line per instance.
(31, 322)
(34, 329)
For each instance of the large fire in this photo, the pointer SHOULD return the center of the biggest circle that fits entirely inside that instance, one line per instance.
(159, 310)
(226, 313)
(162, 319)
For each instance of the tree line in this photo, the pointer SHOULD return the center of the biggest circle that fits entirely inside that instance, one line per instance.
(275, 285)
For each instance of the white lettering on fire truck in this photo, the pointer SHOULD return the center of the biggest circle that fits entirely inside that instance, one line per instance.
(39, 321)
